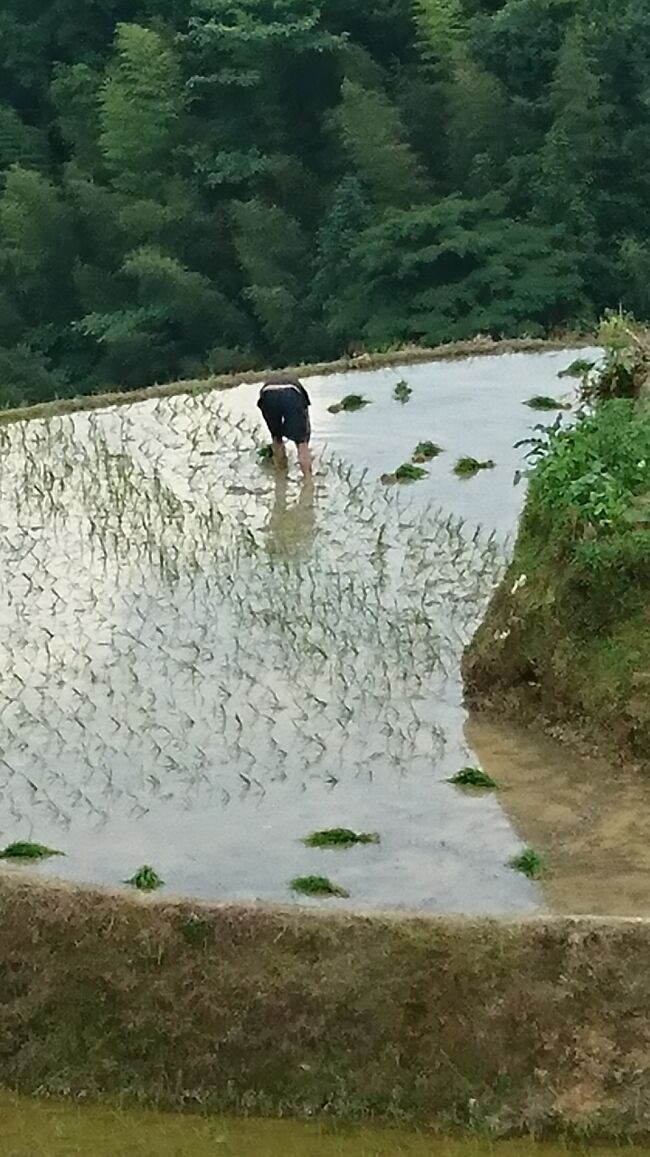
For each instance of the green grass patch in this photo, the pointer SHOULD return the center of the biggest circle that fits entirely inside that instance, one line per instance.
(317, 886)
(544, 402)
(474, 777)
(339, 838)
(146, 879)
(530, 863)
(467, 467)
(425, 451)
(402, 392)
(24, 850)
(349, 404)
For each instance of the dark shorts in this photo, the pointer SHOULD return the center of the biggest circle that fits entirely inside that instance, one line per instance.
(286, 414)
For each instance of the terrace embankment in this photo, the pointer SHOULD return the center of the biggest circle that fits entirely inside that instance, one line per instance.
(541, 1024)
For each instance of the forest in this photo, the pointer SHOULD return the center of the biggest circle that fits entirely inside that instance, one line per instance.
(196, 186)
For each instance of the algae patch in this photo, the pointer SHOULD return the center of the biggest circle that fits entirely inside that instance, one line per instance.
(407, 472)
(425, 451)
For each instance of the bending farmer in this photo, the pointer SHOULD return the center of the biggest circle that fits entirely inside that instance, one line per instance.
(284, 403)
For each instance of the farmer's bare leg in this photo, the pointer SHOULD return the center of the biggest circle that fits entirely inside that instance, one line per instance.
(279, 453)
(305, 459)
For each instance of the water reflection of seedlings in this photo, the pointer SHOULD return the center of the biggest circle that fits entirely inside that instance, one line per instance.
(317, 886)
(23, 850)
(543, 402)
(467, 467)
(474, 777)
(402, 392)
(339, 838)
(349, 404)
(530, 863)
(146, 879)
(425, 451)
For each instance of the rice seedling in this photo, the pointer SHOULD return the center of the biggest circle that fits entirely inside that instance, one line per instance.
(407, 472)
(426, 451)
(317, 886)
(474, 777)
(543, 402)
(146, 879)
(530, 863)
(349, 404)
(402, 392)
(339, 838)
(25, 850)
(467, 467)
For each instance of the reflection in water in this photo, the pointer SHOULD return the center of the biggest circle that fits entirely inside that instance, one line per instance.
(46, 1129)
(291, 528)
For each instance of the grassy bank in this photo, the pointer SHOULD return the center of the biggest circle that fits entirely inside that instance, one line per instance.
(538, 1025)
(409, 355)
(566, 639)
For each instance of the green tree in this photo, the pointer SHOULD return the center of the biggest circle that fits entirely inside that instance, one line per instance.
(376, 146)
(335, 286)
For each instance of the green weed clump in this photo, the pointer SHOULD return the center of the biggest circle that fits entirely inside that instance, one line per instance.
(402, 392)
(349, 404)
(544, 402)
(196, 931)
(146, 879)
(530, 863)
(468, 467)
(474, 777)
(24, 850)
(317, 886)
(425, 451)
(339, 838)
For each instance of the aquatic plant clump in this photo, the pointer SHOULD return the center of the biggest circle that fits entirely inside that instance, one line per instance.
(402, 392)
(426, 451)
(146, 879)
(339, 838)
(530, 863)
(543, 402)
(468, 467)
(24, 850)
(317, 886)
(474, 777)
(349, 404)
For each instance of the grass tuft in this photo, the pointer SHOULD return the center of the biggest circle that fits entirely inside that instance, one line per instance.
(468, 467)
(474, 777)
(317, 886)
(425, 451)
(24, 850)
(543, 402)
(530, 863)
(146, 879)
(196, 931)
(349, 404)
(339, 838)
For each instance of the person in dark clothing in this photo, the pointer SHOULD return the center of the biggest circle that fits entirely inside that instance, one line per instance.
(284, 403)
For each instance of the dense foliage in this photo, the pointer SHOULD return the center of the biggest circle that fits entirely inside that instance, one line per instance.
(195, 185)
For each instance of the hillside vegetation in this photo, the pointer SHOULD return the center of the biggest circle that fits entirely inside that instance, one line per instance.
(197, 186)
(567, 636)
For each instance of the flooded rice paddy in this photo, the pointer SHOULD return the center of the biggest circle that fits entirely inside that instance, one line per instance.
(201, 662)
